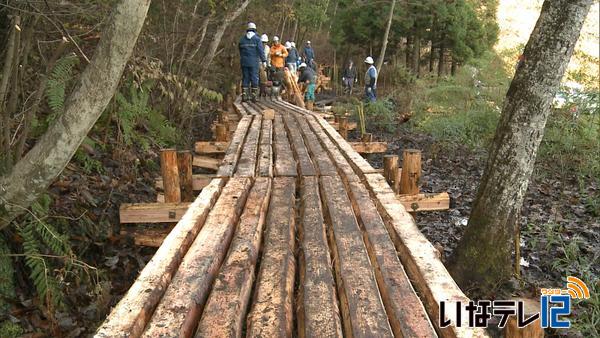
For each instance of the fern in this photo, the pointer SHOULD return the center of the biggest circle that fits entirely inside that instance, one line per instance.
(57, 83)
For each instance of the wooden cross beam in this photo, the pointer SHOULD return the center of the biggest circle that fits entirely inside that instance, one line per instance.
(369, 147)
(206, 162)
(210, 147)
(152, 212)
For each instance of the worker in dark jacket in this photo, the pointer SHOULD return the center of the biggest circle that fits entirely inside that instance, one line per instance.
(309, 55)
(308, 78)
(349, 77)
(251, 55)
(292, 58)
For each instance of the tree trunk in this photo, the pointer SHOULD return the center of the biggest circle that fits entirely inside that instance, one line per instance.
(453, 66)
(32, 175)
(431, 58)
(416, 55)
(441, 58)
(407, 52)
(7, 74)
(483, 256)
(202, 31)
(214, 44)
(385, 38)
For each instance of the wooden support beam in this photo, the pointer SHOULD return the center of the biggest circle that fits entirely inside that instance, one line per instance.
(184, 164)
(206, 162)
(221, 132)
(343, 127)
(146, 236)
(210, 147)
(351, 125)
(425, 202)
(367, 137)
(130, 316)
(369, 147)
(390, 171)
(411, 172)
(170, 175)
(152, 212)
(199, 181)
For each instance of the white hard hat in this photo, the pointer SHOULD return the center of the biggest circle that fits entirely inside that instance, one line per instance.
(369, 60)
(302, 65)
(293, 44)
(288, 45)
(308, 42)
(264, 38)
(251, 26)
(275, 38)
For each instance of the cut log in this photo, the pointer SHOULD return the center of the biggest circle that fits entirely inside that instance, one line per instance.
(152, 212)
(318, 313)
(420, 259)
(226, 307)
(232, 155)
(221, 132)
(342, 127)
(265, 159)
(146, 236)
(271, 314)
(130, 316)
(285, 164)
(292, 87)
(390, 171)
(170, 175)
(206, 162)
(411, 172)
(533, 330)
(247, 162)
(210, 148)
(425, 202)
(305, 164)
(320, 158)
(179, 310)
(369, 147)
(184, 165)
(407, 314)
(361, 305)
(199, 181)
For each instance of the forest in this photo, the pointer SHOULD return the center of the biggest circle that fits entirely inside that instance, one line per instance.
(501, 99)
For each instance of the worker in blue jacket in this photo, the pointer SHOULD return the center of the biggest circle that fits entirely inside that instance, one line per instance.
(251, 56)
(309, 55)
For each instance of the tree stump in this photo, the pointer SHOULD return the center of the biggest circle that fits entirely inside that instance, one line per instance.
(170, 175)
(411, 172)
(184, 165)
(220, 132)
(390, 171)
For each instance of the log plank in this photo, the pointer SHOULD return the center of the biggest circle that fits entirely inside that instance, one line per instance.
(226, 307)
(271, 314)
(425, 201)
(285, 164)
(247, 162)
(232, 155)
(206, 162)
(133, 311)
(305, 164)
(179, 310)
(210, 147)
(152, 212)
(369, 147)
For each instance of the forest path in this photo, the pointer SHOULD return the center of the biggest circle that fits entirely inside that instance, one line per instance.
(297, 236)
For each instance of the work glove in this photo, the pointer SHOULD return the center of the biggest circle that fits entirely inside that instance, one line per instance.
(264, 64)
(344, 79)
(369, 90)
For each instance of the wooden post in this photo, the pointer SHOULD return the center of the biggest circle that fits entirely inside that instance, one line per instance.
(533, 330)
(222, 116)
(184, 164)
(343, 126)
(390, 171)
(411, 172)
(367, 137)
(170, 175)
(336, 118)
(220, 132)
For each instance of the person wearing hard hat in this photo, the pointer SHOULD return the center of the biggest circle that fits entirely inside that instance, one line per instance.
(278, 54)
(292, 57)
(251, 55)
(308, 78)
(308, 54)
(349, 77)
(265, 40)
(370, 80)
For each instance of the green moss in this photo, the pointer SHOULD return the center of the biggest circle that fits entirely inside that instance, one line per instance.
(10, 330)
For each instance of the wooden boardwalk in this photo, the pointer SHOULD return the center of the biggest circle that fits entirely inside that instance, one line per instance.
(297, 236)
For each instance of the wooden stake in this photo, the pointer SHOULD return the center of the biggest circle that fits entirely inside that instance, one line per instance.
(343, 127)
(367, 137)
(221, 132)
(390, 171)
(411, 172)
(170, 175)
(184, 164)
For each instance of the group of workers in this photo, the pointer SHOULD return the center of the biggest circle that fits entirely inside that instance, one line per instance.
(257, 55)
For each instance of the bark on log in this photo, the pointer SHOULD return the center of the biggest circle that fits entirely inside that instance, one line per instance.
(170, 175)
(390, 171)
(32, 175)
(411, 172)
(186, 180)
(484, 254)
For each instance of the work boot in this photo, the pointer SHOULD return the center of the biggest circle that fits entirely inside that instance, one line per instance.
(245, 94)
(254, 94)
